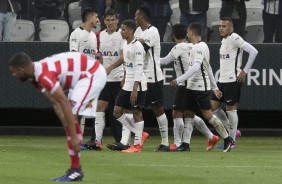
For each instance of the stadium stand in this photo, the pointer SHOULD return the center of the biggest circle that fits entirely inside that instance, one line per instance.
(53, 30)
(23, 31)
(254, 32)
(74, 11)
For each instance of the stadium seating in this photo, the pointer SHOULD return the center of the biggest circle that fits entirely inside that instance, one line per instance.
(254, 12)
(74, 11)
(213, 13)
(23, 31)
(213, 34)
(76, 24)
(53, 30)
(254, 32)
(175, 17)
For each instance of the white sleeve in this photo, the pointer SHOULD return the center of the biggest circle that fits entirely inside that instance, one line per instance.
(252, 55)
(139, 60)
(212, 79)
(74, 42)
(189, 73)
(168, 59)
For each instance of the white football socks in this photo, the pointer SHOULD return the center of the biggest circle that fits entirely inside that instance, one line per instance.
(202, 127)
(233, 120)
(138, 133)
(99, 125)
(126, 120)
(188, 129)
(125, 135)
(163, 127)
(215, 122)
(223, 118)
(178, 129)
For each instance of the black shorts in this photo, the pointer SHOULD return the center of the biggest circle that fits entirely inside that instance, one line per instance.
(110, 92)
(230, 92)
(123, 100)
(197, 100)
(154, 96)
(179, 100)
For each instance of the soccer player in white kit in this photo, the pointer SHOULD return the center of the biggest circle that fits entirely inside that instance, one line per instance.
(133, 93)
(149, 36)
(180, 55)
(84, 40)
(53, 76)
(111, 44)
(199, 85)
(231, 76)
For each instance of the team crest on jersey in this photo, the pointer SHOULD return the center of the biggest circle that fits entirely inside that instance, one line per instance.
(73, 103)
(109, 53)
(88, 51)
(89, 105)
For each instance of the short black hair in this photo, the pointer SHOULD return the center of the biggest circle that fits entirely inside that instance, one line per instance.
(179, 31)
(86, 12)
(110, 12)
(145, 11)
(195, 27)
(131, 24)
(226, 18)
(20, 59)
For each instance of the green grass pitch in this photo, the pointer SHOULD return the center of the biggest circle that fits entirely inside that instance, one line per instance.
(36, 160)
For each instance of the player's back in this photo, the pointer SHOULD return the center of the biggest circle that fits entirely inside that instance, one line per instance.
(67, 68)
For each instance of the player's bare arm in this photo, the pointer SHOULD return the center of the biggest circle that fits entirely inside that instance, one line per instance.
(116, 64)
(134, 93)
(57, 107)
(61, 98)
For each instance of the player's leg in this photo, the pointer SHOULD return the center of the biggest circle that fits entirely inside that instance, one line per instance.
(154, 98)
(204, 102)
(139, 123)
(178, 116)
(202, 127)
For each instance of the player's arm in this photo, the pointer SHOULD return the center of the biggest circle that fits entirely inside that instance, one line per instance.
(168, 59)
(60, 97)
(214, 87)
(115, 64)
(74, 42)
(252, 56)
(139, 57)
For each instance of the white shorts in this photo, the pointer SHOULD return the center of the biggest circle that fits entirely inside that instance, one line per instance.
(84, 95)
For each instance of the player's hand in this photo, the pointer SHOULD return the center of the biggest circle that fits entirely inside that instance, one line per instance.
(217, 93)
(75, 143)
(174, 83)
(133, 97)
(108, 70)
(241, 76)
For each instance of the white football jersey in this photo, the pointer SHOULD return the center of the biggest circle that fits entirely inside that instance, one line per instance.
(181, 54)
(83, 41)
(152, 67)
(110, 47)
(231, 52)
(200, 81)
(133, 54)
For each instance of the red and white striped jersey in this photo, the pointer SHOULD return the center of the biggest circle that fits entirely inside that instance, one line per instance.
(64, 69)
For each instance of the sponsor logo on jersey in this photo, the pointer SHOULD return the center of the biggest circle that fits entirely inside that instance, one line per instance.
(88, 51)
(127, 64)
(109, 53)
(224, 56)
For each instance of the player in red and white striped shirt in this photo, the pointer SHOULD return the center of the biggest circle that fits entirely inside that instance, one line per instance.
(58, 73)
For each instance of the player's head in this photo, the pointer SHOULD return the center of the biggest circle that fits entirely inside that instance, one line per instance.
(179, 31)
(90, 15)
(19, 64)
(225, 26)
(142, 15)
(194, 30)
(111, 20)
(128, 28)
